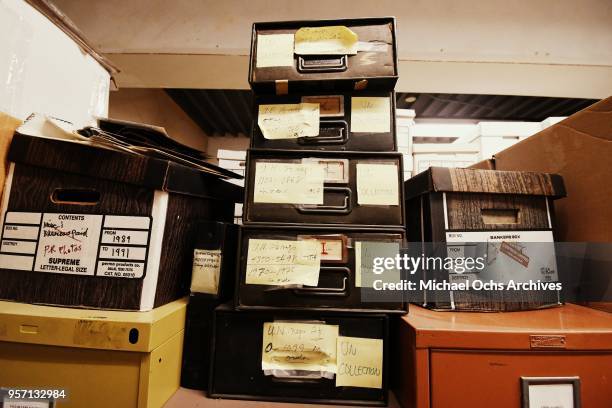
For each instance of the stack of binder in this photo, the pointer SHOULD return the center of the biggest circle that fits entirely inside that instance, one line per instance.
(323, 196)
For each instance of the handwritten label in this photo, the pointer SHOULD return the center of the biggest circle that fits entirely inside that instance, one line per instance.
(288, 121)
(281, 262)
(329, 40)
(206, 271)
(288, 183)
(68, 243)
(274, 50)
(360, 362)
(299, 346)
(370, 114)
(377, 184)
(76, 244)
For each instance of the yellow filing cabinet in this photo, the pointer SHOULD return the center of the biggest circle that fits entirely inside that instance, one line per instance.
(101, 358)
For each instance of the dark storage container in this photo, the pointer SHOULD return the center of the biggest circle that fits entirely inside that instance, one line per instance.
(340, 287)
(238, 343)
(359, 189)
(336, 131)
(372, 67)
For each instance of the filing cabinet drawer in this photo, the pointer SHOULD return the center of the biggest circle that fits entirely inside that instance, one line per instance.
(359, 189)
(373, 127)
(276, 66)
(495, 376)
(239, 343)
(340, 284)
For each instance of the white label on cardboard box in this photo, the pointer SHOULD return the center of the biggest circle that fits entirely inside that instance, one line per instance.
(206, 271)
(11, 403)
(121, 269)
(68, 243)
(519, 256)
(75, 244)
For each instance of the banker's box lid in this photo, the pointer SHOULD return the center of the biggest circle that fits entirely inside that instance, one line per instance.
(78, 156)
(443, 179)
(92, 329)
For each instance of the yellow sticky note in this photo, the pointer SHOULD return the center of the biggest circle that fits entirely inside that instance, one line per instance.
(288, 183)
(329, 40)
(299, 346)
(360, 362)
(274, 50)
(206, 271)
(370, 114)
(288, 121)
(377, 184)
(283, 262)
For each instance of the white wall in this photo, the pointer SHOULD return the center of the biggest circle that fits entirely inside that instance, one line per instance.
(43, 70)
(155, 107)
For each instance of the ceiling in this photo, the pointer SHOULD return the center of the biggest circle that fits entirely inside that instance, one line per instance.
(220, 112)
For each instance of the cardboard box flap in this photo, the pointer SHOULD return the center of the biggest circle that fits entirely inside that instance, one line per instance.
(121, 166)
(442, 179)
(94, 329)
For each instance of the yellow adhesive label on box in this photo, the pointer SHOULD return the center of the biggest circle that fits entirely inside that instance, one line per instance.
(288, 183)
(289, 120)
(370, 114)
(274, 50)
(377, 184)
(329, 40)
(299, 346)
(282, 262)
(360, 362)
(206, 270)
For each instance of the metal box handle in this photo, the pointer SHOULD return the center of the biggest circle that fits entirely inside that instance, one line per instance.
(338, 126)
(345, 208)
(322, 63)
(317, 291)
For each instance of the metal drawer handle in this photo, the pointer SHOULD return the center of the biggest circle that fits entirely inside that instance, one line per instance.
(322, 63)
(341, 136)
(317, 291)
(345, 208)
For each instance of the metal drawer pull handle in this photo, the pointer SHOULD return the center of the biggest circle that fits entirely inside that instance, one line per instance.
(316, 291)
(340, 126)
(345, 208)
(322, 63)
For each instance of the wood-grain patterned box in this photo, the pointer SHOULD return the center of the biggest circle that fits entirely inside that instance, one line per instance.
(505, 219)
(90, 227)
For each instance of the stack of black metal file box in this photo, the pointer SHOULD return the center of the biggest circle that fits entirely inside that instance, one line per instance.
(323, 196)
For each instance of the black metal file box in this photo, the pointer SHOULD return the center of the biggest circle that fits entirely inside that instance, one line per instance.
(338, 282)
(374, 67)
(341, 201)
(212, 283)
(236, 369)
(335, 131)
